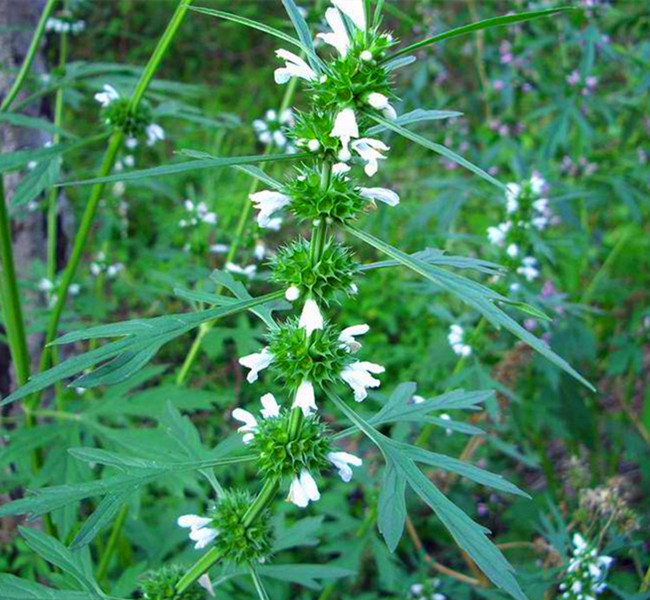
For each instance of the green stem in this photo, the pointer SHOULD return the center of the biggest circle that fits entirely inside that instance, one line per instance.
(257, 580)
(52, 207)
(10, 298)
(192, 355)
(105, 560)
(197, 569)
(264, 498)
(78, 247)
(107, 164)
(29, 57)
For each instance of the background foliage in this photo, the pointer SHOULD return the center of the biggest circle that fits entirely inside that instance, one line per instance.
(527, 106)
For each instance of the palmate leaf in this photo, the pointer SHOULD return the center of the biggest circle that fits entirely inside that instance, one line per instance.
(141, 338)
(189, 166)
(57, 554)
(19, 120)
(12, 161)
(475, 295)
(477, 26)
(439, 149)
(14, 588)
(400, 471)
(42, 177)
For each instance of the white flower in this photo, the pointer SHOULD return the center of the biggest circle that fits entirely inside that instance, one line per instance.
(95, 269)
(74, 289)
(358, 376)
(382, 194)
(303, 490)
(497, 235)
(249, 427)
(446, 417)
(346, 337)
(380, 102)
(342, 461)
(345, 128)
(313, 145)
(537, 184)
(355, 10)
(199, 530)
(205, 583)
(370, 150)
(107, 96)
(456, 341)
(260, 250)
(292, 293)
(340, 168)
(305, 398)
(294, 67)
(512, 197)
(268, 202)
(311, 317)
(338, 37)
(366, 56)
(529, 268)
(247, 271)
(256, 362)
(154, 133)
(512, 250)
(271, 409)
(45, 285)
(219, 248)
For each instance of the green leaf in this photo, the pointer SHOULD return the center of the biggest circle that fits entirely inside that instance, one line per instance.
(43, 176)
(301, 533)
(12, 161)
(477, 26)
(19, 120)
(438, 257)
(141, 336)
(13, 588)
(438, 148)
(391, 507)
(102, 516)
(463, 469)
(305, 36)
(469, 535)
(57, 554)
(418, 115)
(249, 23)
(304, 574)
(475, 295)
(257, 173)
(187, 167)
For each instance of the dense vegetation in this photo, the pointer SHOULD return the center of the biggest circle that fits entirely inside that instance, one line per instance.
(513, 200)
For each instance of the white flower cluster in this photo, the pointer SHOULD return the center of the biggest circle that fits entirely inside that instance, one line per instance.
(63, 26)
(197, 213)
(586, 573)
(269, 202)
(99, 266)
(345, 123)
(456, 340)
(248, 271)
(49, 288)
(358, 374)
(270, 129)
(153, 131)
(526, 208)
(303, 488)
(426, 591)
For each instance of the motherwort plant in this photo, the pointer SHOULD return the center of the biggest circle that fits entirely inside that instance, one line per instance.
(318, 361)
